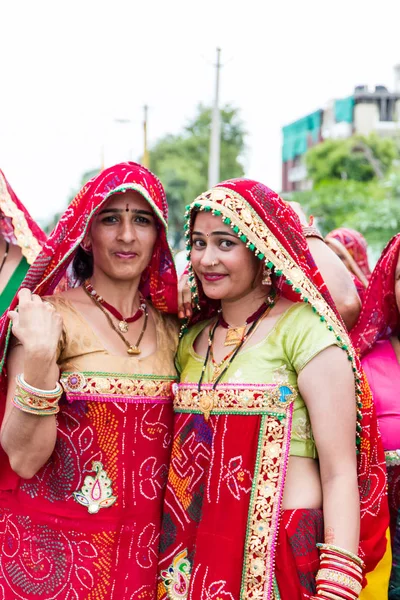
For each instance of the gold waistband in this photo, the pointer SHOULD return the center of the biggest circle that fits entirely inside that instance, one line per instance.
(88, 386)
(231, 398)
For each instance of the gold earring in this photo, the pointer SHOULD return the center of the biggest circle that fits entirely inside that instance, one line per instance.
(266, 276)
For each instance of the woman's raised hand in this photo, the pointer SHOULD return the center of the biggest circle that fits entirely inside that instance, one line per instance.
(36, 324)
(184, 297)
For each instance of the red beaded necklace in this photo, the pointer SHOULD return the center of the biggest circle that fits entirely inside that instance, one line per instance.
(123, 323)
(235, 335)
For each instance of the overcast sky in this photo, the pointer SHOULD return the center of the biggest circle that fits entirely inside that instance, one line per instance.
(70, 69)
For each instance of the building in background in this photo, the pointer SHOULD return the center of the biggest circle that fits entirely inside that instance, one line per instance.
(364, 112)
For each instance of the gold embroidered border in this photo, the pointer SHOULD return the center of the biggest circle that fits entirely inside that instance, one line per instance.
(230, 399)
(29, 245)
(243, 216)
(103, 385)
(265, 507)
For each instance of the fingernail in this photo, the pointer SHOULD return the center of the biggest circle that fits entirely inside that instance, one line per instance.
(181, 314)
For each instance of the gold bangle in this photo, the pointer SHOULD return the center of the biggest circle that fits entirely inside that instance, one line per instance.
(19, 403)
(340, 578)
(312, 231)
(33, 391)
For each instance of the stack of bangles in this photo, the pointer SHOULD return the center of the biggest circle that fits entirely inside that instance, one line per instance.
(34, 401)
(340, 574)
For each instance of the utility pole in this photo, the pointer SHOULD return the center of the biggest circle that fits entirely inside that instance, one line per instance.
(215, 136)
(146, 157)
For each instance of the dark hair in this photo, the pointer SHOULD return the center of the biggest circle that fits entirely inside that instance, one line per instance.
(82, 265)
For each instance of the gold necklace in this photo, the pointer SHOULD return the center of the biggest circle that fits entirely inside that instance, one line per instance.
(131, 350)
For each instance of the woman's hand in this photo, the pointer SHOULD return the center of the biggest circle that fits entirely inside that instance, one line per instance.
(184, 297)
(36, 324)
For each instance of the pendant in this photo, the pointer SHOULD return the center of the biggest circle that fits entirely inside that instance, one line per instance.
(206, 404)
(133, 350)
(234, 335)
(123, 326)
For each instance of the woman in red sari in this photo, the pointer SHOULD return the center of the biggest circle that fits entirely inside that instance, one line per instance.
(376, 337)
(21, 240)
(87, 424)
(270, 408)
(351, 247)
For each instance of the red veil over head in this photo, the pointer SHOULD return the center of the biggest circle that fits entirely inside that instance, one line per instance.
(16, 224)
(272, 231)
(355, 244)
(159, 281)
(379, 318)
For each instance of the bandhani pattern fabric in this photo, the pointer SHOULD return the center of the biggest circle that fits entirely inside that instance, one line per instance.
(379, 317)
(353, 245)
(16, 224)
(87, 525)
(245, 457)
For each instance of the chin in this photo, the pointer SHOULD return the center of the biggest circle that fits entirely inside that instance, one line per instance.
(214, 292)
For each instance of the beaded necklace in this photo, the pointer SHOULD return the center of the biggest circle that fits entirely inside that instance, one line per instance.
(270, 303)
(123, 322)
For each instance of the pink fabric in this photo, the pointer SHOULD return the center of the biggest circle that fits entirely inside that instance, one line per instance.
(383, 373)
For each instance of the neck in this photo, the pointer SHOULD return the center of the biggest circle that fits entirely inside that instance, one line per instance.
(235, 311)
(123, 295)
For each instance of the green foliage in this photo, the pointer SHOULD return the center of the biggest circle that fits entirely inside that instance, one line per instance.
(357, 158)
(372, 207)
(181, 161)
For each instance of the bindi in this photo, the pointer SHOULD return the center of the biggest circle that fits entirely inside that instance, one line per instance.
(127, 208)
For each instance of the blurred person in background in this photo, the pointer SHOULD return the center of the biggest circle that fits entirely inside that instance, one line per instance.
(21, 240)
(352, 248)
(271, 406)
(87, 399)
(376, 337)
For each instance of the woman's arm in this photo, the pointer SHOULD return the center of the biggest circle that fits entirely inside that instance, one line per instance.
(338, 281)
(29, 439)
(327, 386)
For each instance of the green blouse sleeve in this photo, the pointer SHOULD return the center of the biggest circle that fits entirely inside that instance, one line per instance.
(305, 336)
(185, 345)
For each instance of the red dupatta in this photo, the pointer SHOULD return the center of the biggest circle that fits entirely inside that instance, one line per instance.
(379, 318)
(16, 224)
(272, 230)
(353, 246)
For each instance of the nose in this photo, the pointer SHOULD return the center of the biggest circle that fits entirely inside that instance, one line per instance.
(126, 232)
(208, 256)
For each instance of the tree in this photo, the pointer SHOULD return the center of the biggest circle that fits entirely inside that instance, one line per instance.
(372, 207)
(181, 160)
(357, 158)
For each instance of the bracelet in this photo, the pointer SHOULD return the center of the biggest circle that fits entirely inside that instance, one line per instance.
(55, 393)
(34, 401)
(341, 552)
(312, 231)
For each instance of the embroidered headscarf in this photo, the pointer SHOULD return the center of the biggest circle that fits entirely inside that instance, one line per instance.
(159, 280)
(16, 224)
(272, 231)
(352, 244)
(379, 318)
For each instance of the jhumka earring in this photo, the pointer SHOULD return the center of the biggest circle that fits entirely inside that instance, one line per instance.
(266, 276)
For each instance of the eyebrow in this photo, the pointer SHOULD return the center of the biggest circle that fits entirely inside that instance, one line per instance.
(118, 211)
(215, 233)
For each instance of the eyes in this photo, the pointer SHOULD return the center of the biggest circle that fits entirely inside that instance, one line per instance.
(222, 243)
(137, 219)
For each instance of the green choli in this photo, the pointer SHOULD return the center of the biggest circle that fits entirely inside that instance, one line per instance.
(296, 338)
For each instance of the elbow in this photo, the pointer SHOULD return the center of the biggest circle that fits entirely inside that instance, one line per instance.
(349, 309)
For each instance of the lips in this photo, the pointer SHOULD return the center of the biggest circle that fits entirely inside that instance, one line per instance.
(125, 255)
(213, 276)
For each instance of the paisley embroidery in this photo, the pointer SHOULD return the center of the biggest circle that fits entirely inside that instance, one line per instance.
(96, 492)
(176, 578)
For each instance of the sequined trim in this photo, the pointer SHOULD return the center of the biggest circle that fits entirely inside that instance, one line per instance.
(265, 506)
(116, 387)
(96, 492)
(29, 245)
(176, 578)
(231, 398)
(392, 458)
